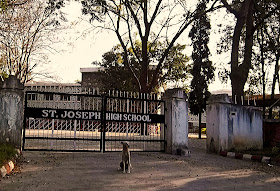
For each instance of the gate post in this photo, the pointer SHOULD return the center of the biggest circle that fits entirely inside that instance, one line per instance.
(176, 119)
(11, 111)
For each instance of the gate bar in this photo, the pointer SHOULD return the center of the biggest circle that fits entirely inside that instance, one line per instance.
(103, 124)
(24, 121)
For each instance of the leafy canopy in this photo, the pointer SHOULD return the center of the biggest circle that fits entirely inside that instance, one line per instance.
(118, 76)
(202, 71)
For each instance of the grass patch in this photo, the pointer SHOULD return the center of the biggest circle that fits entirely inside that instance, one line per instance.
(7, 152)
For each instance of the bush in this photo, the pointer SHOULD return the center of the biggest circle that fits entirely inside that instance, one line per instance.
(275, 150)
(7, 152)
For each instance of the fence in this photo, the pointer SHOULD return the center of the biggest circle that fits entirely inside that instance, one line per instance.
(78, 119)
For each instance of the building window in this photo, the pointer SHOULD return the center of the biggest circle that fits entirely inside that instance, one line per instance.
(32, 97)
(49, 97)
(65, 97)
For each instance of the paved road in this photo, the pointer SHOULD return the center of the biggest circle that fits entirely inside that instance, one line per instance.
(46, 171)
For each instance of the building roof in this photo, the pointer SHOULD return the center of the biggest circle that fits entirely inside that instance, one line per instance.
(91, 69)
(100, 68)
(50, 84)
(222, 91)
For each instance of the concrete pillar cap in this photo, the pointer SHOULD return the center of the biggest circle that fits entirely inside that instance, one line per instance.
(175, 93)
(219, 98)
(11, 83)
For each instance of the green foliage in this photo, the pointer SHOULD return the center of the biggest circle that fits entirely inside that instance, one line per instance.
(247, 58)
(275, 150)
(3, 75)
(7, 152)
(117, 75)
(3, 5)
(175, 66)
(154, 21)
(54, 5)
(202, 71)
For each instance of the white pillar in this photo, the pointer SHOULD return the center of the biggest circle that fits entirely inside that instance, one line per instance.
(11, 111)
(176, 118)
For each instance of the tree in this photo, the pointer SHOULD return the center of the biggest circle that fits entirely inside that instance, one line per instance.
(202, 71)
(275, 48)
(270, 41)
(114, 76)
(117, 76)
(25, 33)
(264, 53)
(243, 38)
(151, 21)
(6, 4)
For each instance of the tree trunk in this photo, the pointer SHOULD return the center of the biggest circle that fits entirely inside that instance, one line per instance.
(235, 76)
(237, 89)
(263, 71)
(144, 66)
(275, 77)
(199, 124)
(263, 80)
(143, 78)
(239, 72)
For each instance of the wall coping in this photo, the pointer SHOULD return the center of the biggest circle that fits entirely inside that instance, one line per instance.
(11, 83)
(271, 120)
(219, 98)
(177, 93)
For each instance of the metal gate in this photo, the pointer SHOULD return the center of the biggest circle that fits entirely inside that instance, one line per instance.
(86, 121)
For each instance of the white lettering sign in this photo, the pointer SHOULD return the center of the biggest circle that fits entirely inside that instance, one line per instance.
(94, 115)
(127, 117)
(71, 114)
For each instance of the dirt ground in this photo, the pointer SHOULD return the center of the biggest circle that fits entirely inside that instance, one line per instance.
(46, 171)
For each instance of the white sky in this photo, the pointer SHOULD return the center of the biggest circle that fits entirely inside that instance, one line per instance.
(80, 50)
(75, 49)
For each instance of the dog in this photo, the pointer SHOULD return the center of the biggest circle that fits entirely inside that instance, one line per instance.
(125, 163)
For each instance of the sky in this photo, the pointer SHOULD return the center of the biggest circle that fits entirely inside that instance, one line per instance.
(77, 50)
